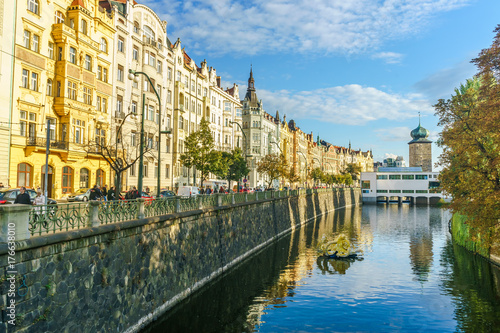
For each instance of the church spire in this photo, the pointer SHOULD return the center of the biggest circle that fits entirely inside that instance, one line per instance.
(251, 82)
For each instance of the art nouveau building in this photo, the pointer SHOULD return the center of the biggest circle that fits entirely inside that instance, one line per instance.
(141, 45)
(58, 55)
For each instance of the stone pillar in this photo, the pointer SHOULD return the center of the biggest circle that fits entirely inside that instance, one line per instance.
(140, 213)
(219, 199)
(232, 198)
(400, 201)
(177, 205)
(14, 222)
(246, 196)
(200, 201)
(94, 214)
(256, 196)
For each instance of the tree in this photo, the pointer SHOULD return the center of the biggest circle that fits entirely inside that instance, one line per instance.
(292, 176)
(120, 152)
(274, 166)
(200, 153)
(236, 166)
(471, 143)
(316, 174)
(353, 169)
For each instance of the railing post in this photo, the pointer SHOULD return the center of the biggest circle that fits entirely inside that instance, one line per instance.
(94, 213)
(14, 223)
(200, 201)
(232, 199)
(140, 212)
(219, 199)
(246, 196)
(177, 205)
(256, 196)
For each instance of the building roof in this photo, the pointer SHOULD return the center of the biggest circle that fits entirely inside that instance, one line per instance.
(419, 135)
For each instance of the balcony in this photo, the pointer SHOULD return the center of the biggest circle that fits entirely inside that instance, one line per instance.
(42, 142)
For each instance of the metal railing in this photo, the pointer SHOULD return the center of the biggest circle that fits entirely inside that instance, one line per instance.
(47, 219)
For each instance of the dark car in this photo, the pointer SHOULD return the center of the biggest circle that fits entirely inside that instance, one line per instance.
(167, 194)
(8, 196)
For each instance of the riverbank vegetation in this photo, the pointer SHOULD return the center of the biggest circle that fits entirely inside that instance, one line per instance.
(471, 144)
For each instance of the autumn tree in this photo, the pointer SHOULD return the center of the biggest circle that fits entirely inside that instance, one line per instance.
(471, 142)
(200, 152)
(274, 166)
(353, 169)
(316, 174)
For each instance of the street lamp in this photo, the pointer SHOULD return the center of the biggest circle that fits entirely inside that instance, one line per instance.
(132, 75)
(298, 151)
(244, 143)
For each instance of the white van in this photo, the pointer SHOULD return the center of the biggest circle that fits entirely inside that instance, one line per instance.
(188, 191)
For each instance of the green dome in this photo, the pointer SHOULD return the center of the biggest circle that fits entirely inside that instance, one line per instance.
(419, 133)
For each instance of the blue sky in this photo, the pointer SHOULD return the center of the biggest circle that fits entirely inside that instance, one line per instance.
(358, 70)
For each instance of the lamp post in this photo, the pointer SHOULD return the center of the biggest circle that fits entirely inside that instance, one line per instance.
(298, 151)
(281, 151)
(132, 75)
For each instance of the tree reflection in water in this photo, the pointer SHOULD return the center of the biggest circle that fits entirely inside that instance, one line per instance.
(474, 284)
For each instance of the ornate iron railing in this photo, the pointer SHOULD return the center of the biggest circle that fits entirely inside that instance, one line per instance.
(42, 142)
(45, 219)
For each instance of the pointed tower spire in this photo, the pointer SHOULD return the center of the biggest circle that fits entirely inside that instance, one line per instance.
(251, 82)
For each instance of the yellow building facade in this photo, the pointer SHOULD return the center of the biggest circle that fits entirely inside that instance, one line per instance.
(62, 74)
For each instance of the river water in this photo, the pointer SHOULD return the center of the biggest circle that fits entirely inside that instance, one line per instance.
(410, 278)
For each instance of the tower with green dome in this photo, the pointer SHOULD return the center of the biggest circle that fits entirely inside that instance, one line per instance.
(420, 149)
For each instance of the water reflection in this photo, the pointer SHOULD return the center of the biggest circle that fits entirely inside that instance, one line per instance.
(411, 279)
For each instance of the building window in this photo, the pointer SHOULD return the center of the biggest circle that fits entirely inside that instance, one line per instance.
(72, 90)
(145, 170)
(98, 103)
(181, 123)
(60, 54)
(87, 95)
(36, 42)
(49, 87)
(72, 55)
(151, 112)
(83, 27)
(238, 112)
(121, 43)
(25, 79)
(133, 139)
(88, 62)
(159, 67)
(58, 91)
(132, 170)
(365, 184)
(382, 191)
(26, 39)
(99, 73)
(51, 50)
(67, 180)
(394, 191)
(27, 124)
(149, 33)
(78, 130)
(104, 45)
(34, 82)
(104, 107)
(395, 177)
(120, 73)
(119, 103)
(408, 177)
(33, 6)
(421, 177)
(133, 107)
(167, 171)
(135, 53)
(136, 27)
(105, 75)
(52, 128)
(169, 73)
(381, 176)
(421, 191)
(178, 76)
(84, 178)
(59, 17)
(169, 97)
(23, 175)
(100, 137)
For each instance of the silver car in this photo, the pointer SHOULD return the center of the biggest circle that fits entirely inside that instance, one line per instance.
(82, 194)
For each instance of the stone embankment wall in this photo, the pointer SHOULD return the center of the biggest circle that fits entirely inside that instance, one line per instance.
(463, 235)
(119, 277)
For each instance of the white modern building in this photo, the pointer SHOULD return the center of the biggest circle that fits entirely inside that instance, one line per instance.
(401, 185)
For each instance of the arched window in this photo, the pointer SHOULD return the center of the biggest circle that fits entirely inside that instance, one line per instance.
(100, 177)
(59, 17)
(104, 45)
(148, 32)
(67, 180)
(23, 175)
(33, 6)
(84, 178)
(49, 87)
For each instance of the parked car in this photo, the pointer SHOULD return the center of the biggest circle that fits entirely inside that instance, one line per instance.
(8, 196)
(167, 194)
(82, 194)
(188, 191)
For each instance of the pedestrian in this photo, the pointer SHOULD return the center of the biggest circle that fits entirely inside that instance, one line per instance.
(1, 185)
(39, 201)
(23, 197)
(105, 192)
(148, 190)
(135, 193)
(221, 190)
(111, 194)
(95, 193)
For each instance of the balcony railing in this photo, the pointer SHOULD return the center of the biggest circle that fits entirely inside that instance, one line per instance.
(42, 142)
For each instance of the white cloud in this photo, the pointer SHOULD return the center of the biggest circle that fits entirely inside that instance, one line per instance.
(389, 57)
(394, 134)
(302, 26)
(350, 105)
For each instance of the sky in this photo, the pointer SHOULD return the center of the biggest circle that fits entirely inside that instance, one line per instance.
(358, 71)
